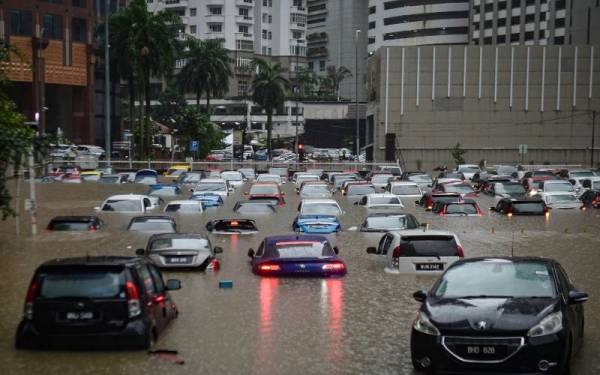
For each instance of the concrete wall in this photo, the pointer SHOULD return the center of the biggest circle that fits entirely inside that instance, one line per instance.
(523, 99)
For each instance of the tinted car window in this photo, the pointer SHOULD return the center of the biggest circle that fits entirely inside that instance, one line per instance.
(360, 190)
(122, 205)
(69, 225)
(493, 278)
(320, 209)
(151, 226)
(89, 284)
(176, 207)
(444, 246)
(384, 200)
(405, 190)
(528, 207)
(468, 209)
(459, 188)
(396, 222)
(210, 187)
(178, 244)
(300, 249)
(264, 190)
(254, 208)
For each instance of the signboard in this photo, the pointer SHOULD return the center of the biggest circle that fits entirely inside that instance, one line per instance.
(194, 145)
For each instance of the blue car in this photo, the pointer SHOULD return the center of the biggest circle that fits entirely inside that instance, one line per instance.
(303, 255)
(208, 200)
(260, 156)
(316, 224)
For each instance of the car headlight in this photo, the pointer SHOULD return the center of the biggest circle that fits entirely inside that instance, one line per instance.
(549, 325)
(424, 325)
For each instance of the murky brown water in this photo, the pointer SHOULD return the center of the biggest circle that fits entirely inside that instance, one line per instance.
(356, 325)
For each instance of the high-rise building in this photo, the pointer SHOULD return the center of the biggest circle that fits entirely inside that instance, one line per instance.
(333, 27)
(423, 22)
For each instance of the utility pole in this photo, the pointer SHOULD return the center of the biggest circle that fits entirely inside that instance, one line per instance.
(107, 82)
(356, 95)
(593, 138)
(297, 100)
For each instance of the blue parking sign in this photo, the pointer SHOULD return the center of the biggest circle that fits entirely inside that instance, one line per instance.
(194, 145)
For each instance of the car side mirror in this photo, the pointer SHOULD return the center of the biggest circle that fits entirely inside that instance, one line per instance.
(420, 296)
(173, 284)
(191, 190)
(139, 252)
(492, 208)
(336, 250)
(577, 297)
(251, 253)
(371, 250)
(218, 250)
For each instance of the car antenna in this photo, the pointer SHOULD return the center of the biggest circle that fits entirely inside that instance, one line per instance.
(512, 245)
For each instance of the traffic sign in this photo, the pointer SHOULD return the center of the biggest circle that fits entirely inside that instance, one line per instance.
(194, 145)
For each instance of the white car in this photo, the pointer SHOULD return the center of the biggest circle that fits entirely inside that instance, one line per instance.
(91, 150)
(305, 177)
(393, 169)
(554, 186)
(315, 190)
(560, 200)
(405, 190)
(263, 177)
(381, 180)
(234, 178)
(126, 203)
(468, 170)
(418, 251)
(320, 207)
(382, 200)
(216, 186)
(190, 206)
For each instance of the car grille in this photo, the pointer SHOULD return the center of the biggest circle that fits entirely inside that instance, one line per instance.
(482, 349)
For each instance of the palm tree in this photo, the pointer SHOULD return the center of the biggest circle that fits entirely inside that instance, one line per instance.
(269, 88)
(335, 78)
(207, 69)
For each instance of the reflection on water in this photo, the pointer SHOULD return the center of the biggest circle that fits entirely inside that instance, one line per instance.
(359, 324)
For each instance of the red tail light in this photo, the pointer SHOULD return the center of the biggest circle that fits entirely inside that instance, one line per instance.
(32, 292)
(339, 266)
(159, 299)
(50, 226)
(133, 300)
(93, 228)
(214, 265)
(269, 267)
(397, 251)
(460, 251)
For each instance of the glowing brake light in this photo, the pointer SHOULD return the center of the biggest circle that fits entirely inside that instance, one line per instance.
(214, 265)
(334, 267)
(93, 228)
(269, 267)
(234, 223)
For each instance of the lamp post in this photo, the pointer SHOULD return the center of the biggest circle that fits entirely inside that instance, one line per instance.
(356, 94)
(107, 82)
(593, 138)
(297, 53)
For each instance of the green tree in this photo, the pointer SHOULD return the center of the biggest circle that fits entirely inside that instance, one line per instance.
(334, 79)
(207, 69)
(457, 154)
(269, 88)
(308, 81)
(171, 105)
(193, 125)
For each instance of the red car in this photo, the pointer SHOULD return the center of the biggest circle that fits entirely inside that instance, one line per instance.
(462, 208)
(266, 191)
(463, 188)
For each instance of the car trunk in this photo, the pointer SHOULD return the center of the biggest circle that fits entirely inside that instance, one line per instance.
(81, 300)
(182, 257)
(301, 266)
(426, 253)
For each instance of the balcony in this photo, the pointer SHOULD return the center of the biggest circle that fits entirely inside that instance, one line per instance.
(215, 35)
(247, 20)
(175, 4)
(317, 52)
(244, 70)
(245, 3)
(297, 26)
(215, 18)
(316, 39)
(245, 36)
(298, 9)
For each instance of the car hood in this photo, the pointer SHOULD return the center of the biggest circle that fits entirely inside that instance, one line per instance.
(501, 315)
(518, 196)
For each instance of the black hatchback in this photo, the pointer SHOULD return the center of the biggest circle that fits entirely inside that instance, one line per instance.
(499, 315)
(96, 303)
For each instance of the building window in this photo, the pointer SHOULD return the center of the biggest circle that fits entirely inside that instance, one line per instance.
(215, 27)
(559, 22)
(322, 65)
(265, 17)
(192, 29)
(79, 30)
(311, 65)
(371, 25)
(270, 35)
(371, 40)
(78, 3)
(270, 18)
(267, 3)
(242, 88)
(193, 12)
(264, 34)
(264, 50)
(243, 29)
(372, 10)
(216, 11)
(243, 12)
(501, 22)
(54, 1)
(298, 18)
(53, 28)
(515, 37)
(297, 34)
(559, 40)
(501, 39)
(515, 20)
(20, 22)
(269, 51)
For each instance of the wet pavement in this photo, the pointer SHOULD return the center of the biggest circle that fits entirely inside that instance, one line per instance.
(356, 325)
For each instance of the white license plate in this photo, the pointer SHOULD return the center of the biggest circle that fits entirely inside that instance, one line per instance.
(179, 260)
(430, 266)
(80, 315)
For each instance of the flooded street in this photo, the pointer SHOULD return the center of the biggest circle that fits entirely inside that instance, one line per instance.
(359, 324)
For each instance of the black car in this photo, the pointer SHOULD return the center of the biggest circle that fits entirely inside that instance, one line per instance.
(75, 223)
(96, 303)
(509, 206)
(506, 189)
(591, 198)
(499, 315)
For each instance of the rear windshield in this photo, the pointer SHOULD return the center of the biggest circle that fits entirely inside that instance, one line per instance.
(360, 190)
(264, 190)
(386, 223)
(231, 176)
(108, 180)
(559, 187)
(210, 187)
(234, 226)
(255, 208)
(70, 225)
(445, 198)
(529, 207)
(187, 178)
(564, 198)
(263, 178)
(515, 188)
(301, 249)
(278, 171)
(420, 178)
(381, 178)
(315, 189)
(444, 246)
(320, 209)
(459, 188)
(151, 226)
(461, 209)
(163, 192)
(176, 207)
(90, 177)
(122, 205)
(88, 284)
(179, 244)
(384, 200)
(405, 190)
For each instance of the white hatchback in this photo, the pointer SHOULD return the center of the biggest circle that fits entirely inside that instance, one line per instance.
(418, 251)
(320, 207)
(405, 190)
(216, 186)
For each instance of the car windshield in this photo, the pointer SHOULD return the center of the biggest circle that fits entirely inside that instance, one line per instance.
(354, 190)
(247, 172)
(320, 209)
(493, 278)
(163, 192)
(560, 186)
(461, 209)
(187, 207)
(509, 189)
(87, 284)
(458, 188)
(529, 207)
(301, 249)
(175, 171)
(579, 174)
(315, 189)
(445, 198)
(278, 171)
(264, 190)
(255, 208)
(385, 223)
(188, 178)
(152, 226)
(231, 176)
(207, 186)
(108, 180)
(381, 178)
(421, 178)
(563, 198)
(306, 177)
(179, 244)
(384, 200)
(396, 171)
(506, 170)
(405, 190)
(69, 225)
(469, 170)
(122, 205)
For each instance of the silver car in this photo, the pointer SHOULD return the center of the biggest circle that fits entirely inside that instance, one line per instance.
(180, 250)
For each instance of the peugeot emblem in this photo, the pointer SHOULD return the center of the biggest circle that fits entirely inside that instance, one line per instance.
(481, 325)
(80, 305)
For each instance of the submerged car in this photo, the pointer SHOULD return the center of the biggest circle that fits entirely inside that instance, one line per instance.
(385, 222)
(208, 199)
(190, 206)
(126, 203)
(152, 224)
(160, 190)
(315, 190)
(467, 207)
(232, 226)
(297, 255)
(382, 201)
(181, 250)
(499, 315)
(96, 303)
(257, 207)
(560, 201)
(75, 223)
(320, 207)
(531, 206)
(430, 199)
(316, 224)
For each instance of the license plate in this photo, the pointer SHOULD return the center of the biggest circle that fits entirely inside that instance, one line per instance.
(80, 315)
(481, 350)
(430, 266)
(178, 260)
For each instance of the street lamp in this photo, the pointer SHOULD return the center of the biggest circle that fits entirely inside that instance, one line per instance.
(356, 94)
(297, 51)
(107, 81)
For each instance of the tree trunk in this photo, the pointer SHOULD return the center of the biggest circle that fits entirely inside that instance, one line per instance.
(207, 101)
(269, 132)
(198, 95)
(149, 127)
(142, 123)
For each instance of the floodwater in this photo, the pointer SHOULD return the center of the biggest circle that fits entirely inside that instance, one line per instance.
(356, 325)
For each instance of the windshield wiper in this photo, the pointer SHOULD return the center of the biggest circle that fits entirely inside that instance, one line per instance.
(482, 296)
